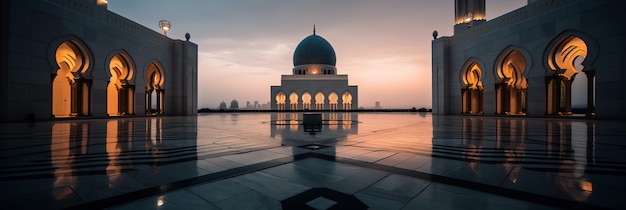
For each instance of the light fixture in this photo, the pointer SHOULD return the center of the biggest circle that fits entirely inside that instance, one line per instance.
(467, 19)
(165, 26)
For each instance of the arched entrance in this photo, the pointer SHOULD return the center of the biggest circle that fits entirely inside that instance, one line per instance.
(120, 90)
(293, 101)
(347, 101)
(511, 84)
(319, 101)
(306, 101)
(566, 58)
(71, 86)
(333, 101)
(155, 93)
(472, 91)
(281, 101)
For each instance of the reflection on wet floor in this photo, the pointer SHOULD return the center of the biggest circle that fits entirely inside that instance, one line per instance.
(453, 162)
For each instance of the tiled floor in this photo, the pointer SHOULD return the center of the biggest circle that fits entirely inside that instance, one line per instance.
(267, 161)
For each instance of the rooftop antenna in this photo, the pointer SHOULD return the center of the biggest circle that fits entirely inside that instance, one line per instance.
(313, 28)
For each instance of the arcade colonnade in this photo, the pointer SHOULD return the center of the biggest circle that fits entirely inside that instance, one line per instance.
(320, 100)
(72, 83)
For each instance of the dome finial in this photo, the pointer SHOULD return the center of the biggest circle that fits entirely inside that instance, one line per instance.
(313, 28)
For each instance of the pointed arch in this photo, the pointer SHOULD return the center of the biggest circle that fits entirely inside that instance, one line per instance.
(281, 101)
(320, 101)
(306, 100)
(293, 101)
(511, 83)
(121, 86)
(472, 90)
(333, 100)
(71, 82)
(155, 91)
(562, 63)
(346, 99)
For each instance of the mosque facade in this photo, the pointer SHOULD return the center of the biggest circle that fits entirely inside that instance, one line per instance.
(534, 61)
(314, 83)
(74, 58)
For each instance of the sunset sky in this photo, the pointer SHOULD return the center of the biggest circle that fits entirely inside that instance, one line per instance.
(245, 45)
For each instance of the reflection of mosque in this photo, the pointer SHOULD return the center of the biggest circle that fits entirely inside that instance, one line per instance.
(80, 148)
(336, 127)
(507, 150)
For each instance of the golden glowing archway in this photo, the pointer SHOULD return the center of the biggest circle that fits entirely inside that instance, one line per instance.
(347, 101)
(561, 61)
(319, 101)
(306, 101)
(333, 100)
(281, 101)
(511, 84)
(472, 91)
(155, 93)
(71, 87)
(293, 101)
(120, 90)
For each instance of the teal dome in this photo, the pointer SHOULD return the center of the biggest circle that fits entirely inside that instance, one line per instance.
(314, 50)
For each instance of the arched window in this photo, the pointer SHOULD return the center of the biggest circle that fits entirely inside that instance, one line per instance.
(71, 86)
(121, 90)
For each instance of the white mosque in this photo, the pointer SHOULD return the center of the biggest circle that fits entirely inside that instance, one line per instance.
(534, 61)
(314, 83)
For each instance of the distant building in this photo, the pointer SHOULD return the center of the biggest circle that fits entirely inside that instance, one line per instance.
(377, 106)
(530, 61)
(68, 58)
(234, 105)
(222, 106)
(314, 83)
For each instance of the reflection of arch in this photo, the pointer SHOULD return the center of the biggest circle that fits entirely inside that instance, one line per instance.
(155, 92)
(563, 56)
(472, 91)
(71, 86)
(293, 101)
(333, 100)
(281, 101)
(511, 84)
(120, 90)
(347, 101)
(306, 101)
(319, 101)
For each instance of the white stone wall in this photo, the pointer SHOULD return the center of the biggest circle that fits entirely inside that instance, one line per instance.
(36, 27)
(534, 28)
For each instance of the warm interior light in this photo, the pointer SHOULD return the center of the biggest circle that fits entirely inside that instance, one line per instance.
(166, 28)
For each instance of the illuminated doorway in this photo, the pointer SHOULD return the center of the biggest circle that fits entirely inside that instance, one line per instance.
(120, 90)
(333, 101)
(293, 101)
(566, 59)
(319, 101)
(472, 91)
(71, 86)
(306, 101)
(347, 101)
(511, 85)
(155, 93)
(280, 101)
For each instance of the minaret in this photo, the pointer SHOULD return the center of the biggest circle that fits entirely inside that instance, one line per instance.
(468, 13)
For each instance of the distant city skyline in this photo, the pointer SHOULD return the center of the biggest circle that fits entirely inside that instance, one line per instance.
(245, 46)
